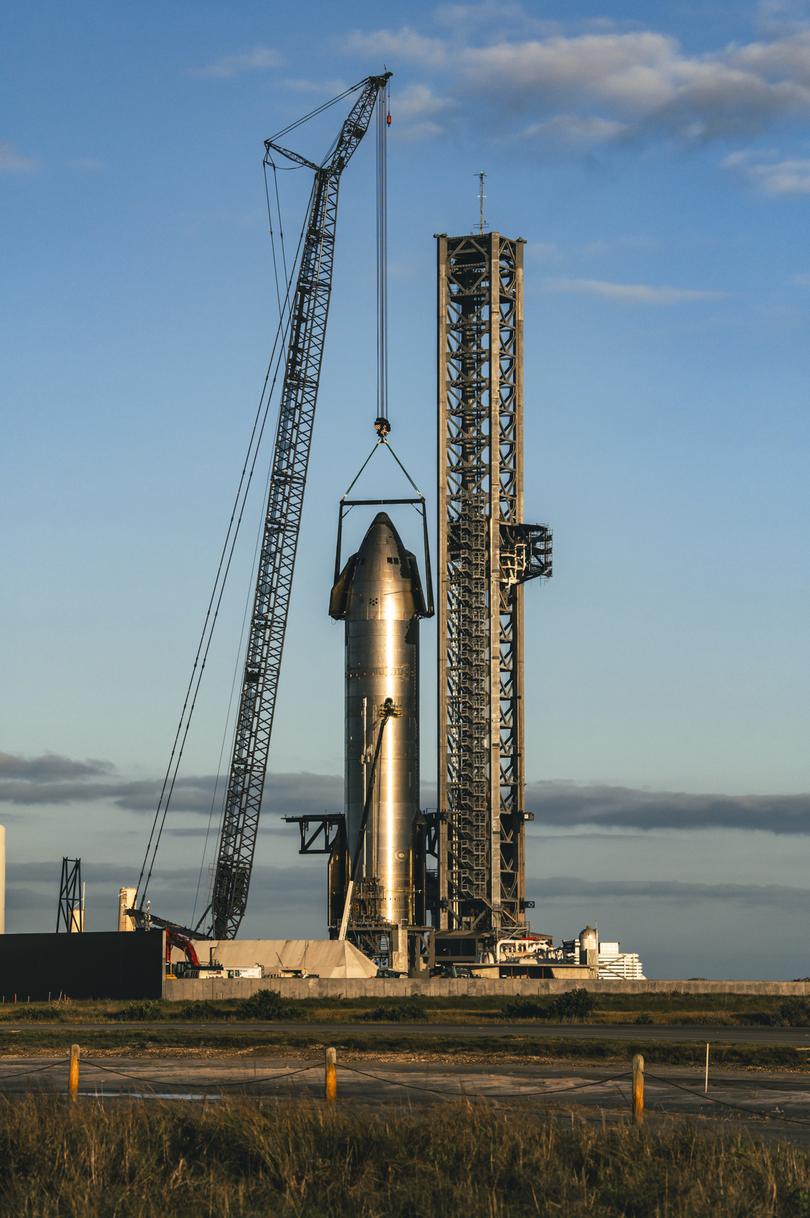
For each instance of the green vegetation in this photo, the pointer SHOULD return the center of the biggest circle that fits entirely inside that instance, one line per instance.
(722, 1010)
(573, 1004)
(304, 1161)
(266, 1004)
(404, 1010)
(175, 1037)
(140, 1012)
(796, 1012)
(37, 1012)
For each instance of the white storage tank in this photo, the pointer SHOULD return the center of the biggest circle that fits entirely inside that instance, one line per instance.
(126, 899)
(589, 946)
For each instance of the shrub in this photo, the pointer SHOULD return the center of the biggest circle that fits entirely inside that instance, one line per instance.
(796, 1012)
(643, 1017)
(147, 1009)
(408, 1010)
(574, 1004)
(25, 1012)
(201, 1009)
(527, 1008)
(266, 1004)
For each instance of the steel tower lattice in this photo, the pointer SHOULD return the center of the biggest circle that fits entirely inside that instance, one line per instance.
(486, 553)
(70, 911)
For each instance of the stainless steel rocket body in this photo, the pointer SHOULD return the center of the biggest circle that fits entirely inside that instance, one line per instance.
(379, 596)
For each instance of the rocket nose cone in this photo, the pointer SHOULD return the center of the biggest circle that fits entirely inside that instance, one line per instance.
(381, 580)
(380, 539)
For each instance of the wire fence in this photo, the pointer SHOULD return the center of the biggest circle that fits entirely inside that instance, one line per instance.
(171, 1086)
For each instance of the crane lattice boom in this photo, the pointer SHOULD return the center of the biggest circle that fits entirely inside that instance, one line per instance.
(268, 622)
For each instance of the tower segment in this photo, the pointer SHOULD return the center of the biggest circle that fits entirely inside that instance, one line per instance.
(486, 554)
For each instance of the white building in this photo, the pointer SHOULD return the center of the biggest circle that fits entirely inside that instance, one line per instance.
(615, 965)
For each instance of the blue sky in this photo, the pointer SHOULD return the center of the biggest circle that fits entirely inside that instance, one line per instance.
(658, 164)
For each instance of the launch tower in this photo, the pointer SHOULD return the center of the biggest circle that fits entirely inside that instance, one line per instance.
(486, 554)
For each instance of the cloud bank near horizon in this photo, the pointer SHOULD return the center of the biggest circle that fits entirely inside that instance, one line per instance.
(52, 780)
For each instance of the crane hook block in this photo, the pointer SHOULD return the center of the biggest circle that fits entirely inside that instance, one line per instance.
(382, 427)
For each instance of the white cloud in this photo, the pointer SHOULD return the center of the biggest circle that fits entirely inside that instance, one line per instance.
(780, 59)
(603, 84)
(575, 129)
(461, 18)
(779, 16)
(625, 69)
(257, 59)
(416, 110)
(12, 161)
(772, 173)
(404, 44)
(632, 293)
(417, 101)
(642, 81)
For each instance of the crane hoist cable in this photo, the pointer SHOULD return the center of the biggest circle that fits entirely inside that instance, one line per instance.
(383, 123)
(214, 602)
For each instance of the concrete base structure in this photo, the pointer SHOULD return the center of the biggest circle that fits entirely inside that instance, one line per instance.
(445, 987)
(327, 959)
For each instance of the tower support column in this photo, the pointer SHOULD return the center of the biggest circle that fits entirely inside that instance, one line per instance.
(486, 553)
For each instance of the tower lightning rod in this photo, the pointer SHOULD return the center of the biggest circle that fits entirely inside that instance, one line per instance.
(481, 196)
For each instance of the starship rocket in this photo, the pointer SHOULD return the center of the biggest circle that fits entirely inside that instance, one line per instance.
(378, 594)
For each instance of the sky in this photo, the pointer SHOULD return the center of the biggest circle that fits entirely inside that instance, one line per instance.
(656, 159)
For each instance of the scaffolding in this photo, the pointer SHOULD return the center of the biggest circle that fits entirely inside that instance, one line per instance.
(70, 911)
(486, 554)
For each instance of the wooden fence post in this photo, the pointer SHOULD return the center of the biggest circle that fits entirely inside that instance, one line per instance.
(638, 1089)
(330, 1078)
(73, 1072)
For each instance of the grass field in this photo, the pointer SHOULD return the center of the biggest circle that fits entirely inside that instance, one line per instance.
(133, 1041)
(719, 1009)
(229, 1027)
(134, 1160)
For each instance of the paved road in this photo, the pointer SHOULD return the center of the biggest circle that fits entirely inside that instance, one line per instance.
(672, 1091)
(798, 1038)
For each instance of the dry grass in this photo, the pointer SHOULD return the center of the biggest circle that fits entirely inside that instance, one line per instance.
(287, 1160)
(179, 1041)
(729, 1010)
